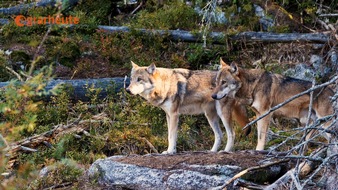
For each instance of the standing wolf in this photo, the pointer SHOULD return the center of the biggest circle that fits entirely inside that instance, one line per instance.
(183, 91)
(263, 90)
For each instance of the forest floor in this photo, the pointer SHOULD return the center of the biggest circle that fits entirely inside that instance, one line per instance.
(243, 159)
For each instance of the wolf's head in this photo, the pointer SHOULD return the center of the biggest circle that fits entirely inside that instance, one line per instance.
(141, 81)
(227, 81)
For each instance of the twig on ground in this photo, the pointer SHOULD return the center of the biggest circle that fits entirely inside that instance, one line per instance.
(28, 149)
(15, 73)
(151, 146)
(240, 174)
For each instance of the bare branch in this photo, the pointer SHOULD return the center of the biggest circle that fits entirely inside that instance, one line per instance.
(307, 167)
(137, 8)
(295, 180)
(28, 149)
(329, 15)
(35, 58)
(15, 73)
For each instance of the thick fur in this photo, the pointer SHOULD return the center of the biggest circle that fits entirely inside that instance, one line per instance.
(183, 91)
(263, 90)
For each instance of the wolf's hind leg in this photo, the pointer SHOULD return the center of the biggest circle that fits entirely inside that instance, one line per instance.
(303, 118)
(262, 129)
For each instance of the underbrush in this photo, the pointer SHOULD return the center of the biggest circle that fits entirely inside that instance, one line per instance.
(120, 124)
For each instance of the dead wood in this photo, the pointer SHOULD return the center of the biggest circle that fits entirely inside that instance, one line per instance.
(220, 37)
(240, 174)
(305, 168)
(31, 143)
(20, 9)
(80, 87)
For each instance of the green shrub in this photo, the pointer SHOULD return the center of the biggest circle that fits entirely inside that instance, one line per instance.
(172, 16)
(19, 106)
(59, 173)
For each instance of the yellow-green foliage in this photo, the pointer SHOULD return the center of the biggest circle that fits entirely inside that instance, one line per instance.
(241, 16)
(24, 175)
(172, 16)
(93, 11)
(59, 173)
(19, 107)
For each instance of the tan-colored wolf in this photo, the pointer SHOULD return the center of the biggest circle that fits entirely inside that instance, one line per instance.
(183, 91)
(263, 90)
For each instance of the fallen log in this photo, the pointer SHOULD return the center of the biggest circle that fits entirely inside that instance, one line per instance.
(20, 9)
(79, 87)
(220, 37)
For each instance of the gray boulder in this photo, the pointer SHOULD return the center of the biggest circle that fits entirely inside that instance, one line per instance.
(301, 71)
(112, 173)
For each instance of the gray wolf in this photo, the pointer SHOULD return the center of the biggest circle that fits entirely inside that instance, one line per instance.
(182, 91)
(263, 90)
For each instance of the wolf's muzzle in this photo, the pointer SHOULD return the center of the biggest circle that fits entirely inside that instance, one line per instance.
(128, 90)
(214, 96)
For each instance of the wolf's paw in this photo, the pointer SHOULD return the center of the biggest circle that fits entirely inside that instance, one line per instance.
(224, 152)
(212, 151)
(168, 152)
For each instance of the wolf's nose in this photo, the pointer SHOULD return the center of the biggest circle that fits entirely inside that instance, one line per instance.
(214, 96)
(128, 90)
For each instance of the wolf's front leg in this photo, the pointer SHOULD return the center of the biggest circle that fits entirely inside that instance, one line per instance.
(213, 120)
(172, 119)
(224, 112)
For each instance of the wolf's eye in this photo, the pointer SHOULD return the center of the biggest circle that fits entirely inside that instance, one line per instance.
(139, 79)
(224, 81)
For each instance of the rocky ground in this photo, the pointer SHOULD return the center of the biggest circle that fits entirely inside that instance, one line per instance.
(186, 170)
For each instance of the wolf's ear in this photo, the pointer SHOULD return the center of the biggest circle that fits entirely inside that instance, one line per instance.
(223, 64)
(233, 68)
(151, 69)
(134, 65)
